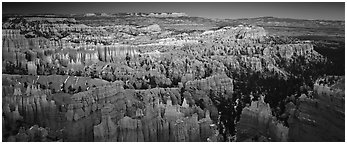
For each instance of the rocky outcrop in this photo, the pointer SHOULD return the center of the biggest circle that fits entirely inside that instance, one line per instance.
(320, 118)
(330, 91)
(174, 14)
(203, 91)
(155, 28)
(239, 33)
(77, 54)
(31, 106)
(92, 82)
(33, 134)
(111, 53)
(257, 121)
(57, 111)
(252, 63)
(106, 130)
(222, 83)
(158, 121)
(57, 83)
(107, 112)
(51, 20)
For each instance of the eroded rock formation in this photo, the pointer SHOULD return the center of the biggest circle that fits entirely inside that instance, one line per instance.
(147, 82)
(312, 114)
(108, 112)
(258, 124)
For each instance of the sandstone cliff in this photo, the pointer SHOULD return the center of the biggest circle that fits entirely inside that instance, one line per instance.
(320, 118)
(106, 112)
(257, 121)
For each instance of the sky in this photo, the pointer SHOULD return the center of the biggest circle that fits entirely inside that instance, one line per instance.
(230, 10)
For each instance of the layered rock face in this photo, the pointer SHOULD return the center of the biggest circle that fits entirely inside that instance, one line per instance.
(175, 14)
(96, 82)
(110, 53)
(31, 107)
(172, 126)
(107, 112)
(317, 116)
(258, 124)
(237, 33)
(33, 55)
(205, 90)
(321, 117)
(51, 20)
(34, 133)
(155, 28)
(79, 56)
(163, 117)
(60, 112)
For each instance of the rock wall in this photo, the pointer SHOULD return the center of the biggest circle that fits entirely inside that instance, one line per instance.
(238, 33)
(148, 83)
(106, 112)
(33, 134)
(205, 90)
(257, 121)
(320, 118)
(156, 122)
(175, 14)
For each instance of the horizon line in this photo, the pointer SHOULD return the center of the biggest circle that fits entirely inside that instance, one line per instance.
(72, 14)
